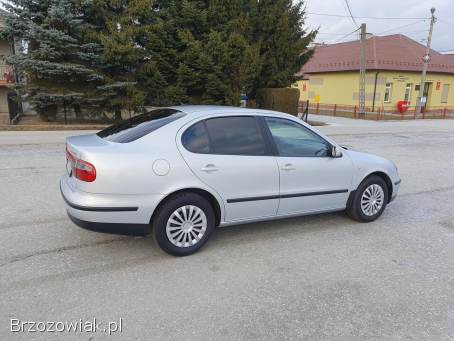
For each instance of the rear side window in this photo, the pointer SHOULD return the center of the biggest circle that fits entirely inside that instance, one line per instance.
(195, 139)
(236, 135)
(139, 126)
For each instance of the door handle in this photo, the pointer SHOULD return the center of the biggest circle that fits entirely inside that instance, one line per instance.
(209, 168)
(288, 167)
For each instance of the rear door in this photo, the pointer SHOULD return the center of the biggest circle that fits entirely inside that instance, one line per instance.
(231, 155)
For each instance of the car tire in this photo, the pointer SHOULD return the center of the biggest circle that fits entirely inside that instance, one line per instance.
(183, 224)
(369, 200)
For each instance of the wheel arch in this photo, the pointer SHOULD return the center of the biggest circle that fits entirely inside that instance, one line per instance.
(202, 192)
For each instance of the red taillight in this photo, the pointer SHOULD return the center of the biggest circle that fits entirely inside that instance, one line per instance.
(81, 169)
(85, 171)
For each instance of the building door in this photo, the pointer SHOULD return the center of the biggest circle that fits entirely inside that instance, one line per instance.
(427, 94)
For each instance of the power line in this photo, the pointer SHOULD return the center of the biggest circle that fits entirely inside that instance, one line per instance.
(417, 31)
(445, 22)
(347, 35)
(360, 17)
(344, 36)
(403, 26)
(331, 34)
(351, 14)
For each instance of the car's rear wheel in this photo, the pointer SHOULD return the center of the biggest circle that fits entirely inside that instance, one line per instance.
(183, 224)
(370, 200)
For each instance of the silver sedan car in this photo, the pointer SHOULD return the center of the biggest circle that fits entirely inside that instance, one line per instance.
(181, 171)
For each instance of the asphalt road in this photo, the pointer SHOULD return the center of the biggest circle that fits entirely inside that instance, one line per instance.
(310, 278)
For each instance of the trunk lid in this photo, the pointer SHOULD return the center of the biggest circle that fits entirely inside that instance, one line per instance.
(80, 147)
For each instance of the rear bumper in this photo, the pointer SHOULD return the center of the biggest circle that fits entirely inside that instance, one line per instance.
(113, 228)
(119, 214)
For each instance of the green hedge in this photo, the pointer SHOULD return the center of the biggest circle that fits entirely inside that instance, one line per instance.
(279, 99)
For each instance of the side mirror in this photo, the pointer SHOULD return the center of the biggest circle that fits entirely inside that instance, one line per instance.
(335, 152)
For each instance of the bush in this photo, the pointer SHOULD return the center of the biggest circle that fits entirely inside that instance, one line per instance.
(279, 99)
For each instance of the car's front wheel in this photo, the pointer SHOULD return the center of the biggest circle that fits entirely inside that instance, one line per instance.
(370, 199)
(183, 224)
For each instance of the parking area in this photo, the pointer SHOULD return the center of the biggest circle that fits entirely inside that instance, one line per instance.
(321, 277)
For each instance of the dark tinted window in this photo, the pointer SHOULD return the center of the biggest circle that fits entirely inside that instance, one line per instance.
(236, 135)
(195, 139)
(293, 139)
(138, 126)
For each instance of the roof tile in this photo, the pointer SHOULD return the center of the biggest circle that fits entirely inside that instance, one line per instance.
(393, 52)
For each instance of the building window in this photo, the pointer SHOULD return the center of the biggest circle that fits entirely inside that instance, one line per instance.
(387, 97)
(407, 96)
(445, 93)
(417, 87)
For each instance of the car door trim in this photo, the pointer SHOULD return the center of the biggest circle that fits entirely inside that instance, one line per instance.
(286, 196)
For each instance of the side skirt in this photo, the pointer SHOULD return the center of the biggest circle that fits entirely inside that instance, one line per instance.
(278, 217)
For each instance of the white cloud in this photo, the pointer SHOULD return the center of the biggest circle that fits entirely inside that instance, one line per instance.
(333, 28)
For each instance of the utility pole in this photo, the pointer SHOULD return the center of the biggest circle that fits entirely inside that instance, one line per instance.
(426, 59)
(362, 72)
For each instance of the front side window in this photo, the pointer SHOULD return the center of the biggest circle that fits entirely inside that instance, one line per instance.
(235, 135)
(387, 97)
(295, 140)
(140, 125)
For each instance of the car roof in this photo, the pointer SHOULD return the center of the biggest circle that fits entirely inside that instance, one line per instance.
(198, 110)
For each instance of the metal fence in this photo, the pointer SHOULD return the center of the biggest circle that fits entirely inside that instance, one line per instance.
(377, 113)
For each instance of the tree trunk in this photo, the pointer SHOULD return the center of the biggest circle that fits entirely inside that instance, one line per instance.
(118, 114)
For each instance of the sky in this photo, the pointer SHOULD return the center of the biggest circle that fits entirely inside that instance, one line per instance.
(333, 29)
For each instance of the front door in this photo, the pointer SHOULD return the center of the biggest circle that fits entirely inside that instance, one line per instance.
(231, 155)
(310, 179)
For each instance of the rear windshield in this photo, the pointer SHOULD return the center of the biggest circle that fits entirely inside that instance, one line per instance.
(139, 126)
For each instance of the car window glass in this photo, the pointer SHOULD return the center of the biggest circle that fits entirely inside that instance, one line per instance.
(140, 125)
(195, 139)
(293, 139)
(236, 135)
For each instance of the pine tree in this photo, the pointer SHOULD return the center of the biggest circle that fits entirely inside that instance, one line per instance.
(60, 66)
(279, 29)
(238, 46)
(217, 60)
(120, 27)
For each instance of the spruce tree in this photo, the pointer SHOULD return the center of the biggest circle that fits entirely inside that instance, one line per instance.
(124, 54)
(60, 67)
